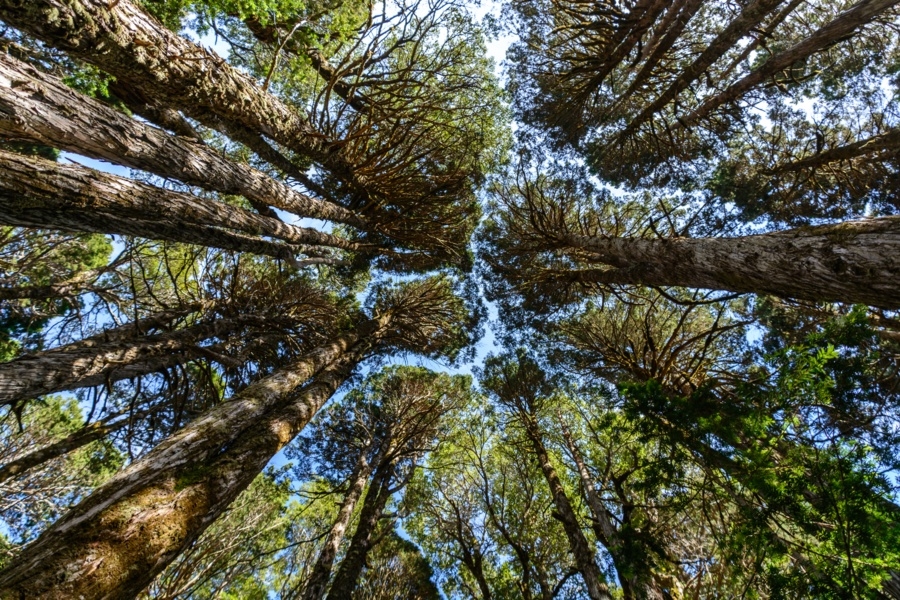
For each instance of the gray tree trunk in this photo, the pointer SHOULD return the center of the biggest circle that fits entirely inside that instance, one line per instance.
(35, 186)
(855, 261)
(578, 543)
(321, 573)
(37, 107)
(840, 28)
(90, 363)
(128, 43)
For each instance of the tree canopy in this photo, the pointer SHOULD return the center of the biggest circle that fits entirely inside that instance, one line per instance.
(318, 300)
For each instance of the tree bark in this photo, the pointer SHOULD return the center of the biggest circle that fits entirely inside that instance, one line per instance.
(842, 26)
(90, 363)
(74, 441)
(890, 140)
(351, 568)
(115, 541)
(750, 17)
(128, 43)
(35, 185)
(853, 262)
(578, 543)
(637, 581)
(38, 107)
(321, 573)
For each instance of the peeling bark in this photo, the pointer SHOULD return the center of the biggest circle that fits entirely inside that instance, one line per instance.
(37, 107)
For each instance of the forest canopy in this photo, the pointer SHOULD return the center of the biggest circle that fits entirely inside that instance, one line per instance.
(318, 300)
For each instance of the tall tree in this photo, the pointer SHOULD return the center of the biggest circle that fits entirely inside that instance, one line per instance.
(185, 483)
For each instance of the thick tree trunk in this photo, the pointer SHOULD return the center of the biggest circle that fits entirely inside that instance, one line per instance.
(578, 543)
(751, 16)
(34, 186)
(92, 363)
(321, 573)
(115, 541)
(855, 261)
(37, 107)
(840, 28)
(351, 568)
(126, 42)
(78, 439)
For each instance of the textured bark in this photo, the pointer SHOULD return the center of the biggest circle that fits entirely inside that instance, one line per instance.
(321, 573)
(750, 17)
(151, 110)
(855, 261)
(97, 362)
(125, 41)
(840, 28)
(79, 439)
(37, 107)
(33, 185)
(115, 541)
(578, 543)
(889, 140)
(351, 568)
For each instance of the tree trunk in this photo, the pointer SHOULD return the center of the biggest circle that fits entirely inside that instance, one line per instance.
(890, 140)
(74, 441)
(37, 107)
(351, 568)
(637, 581)
(578, 543)
(321, 573)
(90, 363)
(750, 17)
(687, 11)
(642, 16)
(35, 186)
(126, 42)
(840, 28)
(119, 538)
(853, 262)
